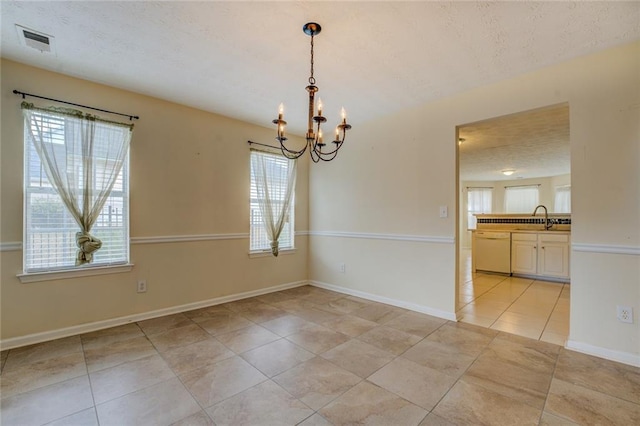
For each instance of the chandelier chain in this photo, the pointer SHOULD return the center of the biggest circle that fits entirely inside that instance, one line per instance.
(312, 80)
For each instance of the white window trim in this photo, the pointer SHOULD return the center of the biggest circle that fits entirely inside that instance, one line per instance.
(267, 253)
(63, 274)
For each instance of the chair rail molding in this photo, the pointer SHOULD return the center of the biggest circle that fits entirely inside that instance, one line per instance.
(606, 248)
(11, 246)
(391, 237)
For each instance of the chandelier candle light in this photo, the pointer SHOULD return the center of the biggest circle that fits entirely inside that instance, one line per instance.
(315, 141)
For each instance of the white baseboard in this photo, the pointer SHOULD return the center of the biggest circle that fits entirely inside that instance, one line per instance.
(45, 336)
(451, 316)
(610, 354)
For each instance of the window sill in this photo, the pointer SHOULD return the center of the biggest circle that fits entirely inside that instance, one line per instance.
(33, 277)
(266, 253)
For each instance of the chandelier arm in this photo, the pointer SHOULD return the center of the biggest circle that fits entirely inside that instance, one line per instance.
(288, 152)
(330, 152)
(291, 157)
(317, 151)
(324, 157)
(315, 158)
(338, 146)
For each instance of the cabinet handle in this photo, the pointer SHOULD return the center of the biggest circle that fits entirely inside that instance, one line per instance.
(542, 247)
(535, 247)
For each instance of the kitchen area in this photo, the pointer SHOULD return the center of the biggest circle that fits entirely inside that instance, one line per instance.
(523, 245)
(515, 224)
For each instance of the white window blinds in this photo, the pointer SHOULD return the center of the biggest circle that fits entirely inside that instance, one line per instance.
(479, 200)
(521, 199)
(49, 229)
(277, 171)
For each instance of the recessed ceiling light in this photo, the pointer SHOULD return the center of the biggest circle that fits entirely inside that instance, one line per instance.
(508, 172)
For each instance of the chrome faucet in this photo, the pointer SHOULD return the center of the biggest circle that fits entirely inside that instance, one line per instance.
(547, 224)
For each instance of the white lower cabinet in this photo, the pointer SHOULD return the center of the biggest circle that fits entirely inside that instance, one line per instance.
(540, 254)
(524, 253)
(553, 255)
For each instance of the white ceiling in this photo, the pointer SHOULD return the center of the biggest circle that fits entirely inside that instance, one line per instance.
(241, 59)
(533, 143)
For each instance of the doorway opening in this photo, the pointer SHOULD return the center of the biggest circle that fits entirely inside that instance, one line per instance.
(507, 166)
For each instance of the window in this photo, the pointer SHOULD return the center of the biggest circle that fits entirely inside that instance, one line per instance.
(563, 199)
(478, 201)
(277, 171)
(49, 228)
(521, 199)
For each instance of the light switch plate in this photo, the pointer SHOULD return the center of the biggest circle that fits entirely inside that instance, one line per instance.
(444, 211)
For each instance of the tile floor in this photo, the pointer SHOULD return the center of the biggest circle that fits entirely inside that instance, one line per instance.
(526, 307)
(308, 356)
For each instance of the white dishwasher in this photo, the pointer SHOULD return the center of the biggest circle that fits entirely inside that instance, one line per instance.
(492, 251)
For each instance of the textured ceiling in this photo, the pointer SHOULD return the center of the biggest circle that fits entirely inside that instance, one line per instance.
(533, 143)
(241, 59)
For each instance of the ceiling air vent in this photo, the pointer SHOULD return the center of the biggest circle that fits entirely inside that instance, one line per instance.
(35, 39)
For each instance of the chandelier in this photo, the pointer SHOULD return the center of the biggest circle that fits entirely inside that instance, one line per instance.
(315, 140)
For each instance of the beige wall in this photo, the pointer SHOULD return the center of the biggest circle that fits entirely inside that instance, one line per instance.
(189, 176)
(375, 209)
(393, 174)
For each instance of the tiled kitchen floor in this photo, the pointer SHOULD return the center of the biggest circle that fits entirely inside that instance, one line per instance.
(526, 307)
(310, 356)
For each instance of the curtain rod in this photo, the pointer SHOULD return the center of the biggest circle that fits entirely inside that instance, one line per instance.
(131, 117)
(522, 186)
(479, 187)
(262, 144)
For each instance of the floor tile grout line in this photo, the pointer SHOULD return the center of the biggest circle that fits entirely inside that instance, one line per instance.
(93, 397)
(459, 378)
(319, 355)
(550, 314)
(553, 375)
(474, 300)
(239, 355)
(158, 353)
(529, 286)
(137, 390)
(507, 308)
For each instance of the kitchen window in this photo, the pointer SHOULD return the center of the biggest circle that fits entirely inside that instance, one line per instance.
(521, 199)
(562, 202)
(479, 201)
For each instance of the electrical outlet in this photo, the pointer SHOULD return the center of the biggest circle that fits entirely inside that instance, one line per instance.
(142, 286)
(625, 314)
(343, 268)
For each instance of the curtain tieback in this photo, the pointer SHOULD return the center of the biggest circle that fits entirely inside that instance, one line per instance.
(274, 247)
(87, 244)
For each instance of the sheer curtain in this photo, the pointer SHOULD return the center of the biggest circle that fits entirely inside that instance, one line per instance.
(479, 200)
(274, 198)
(563, 199)
(521, 199)
(80, 172)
